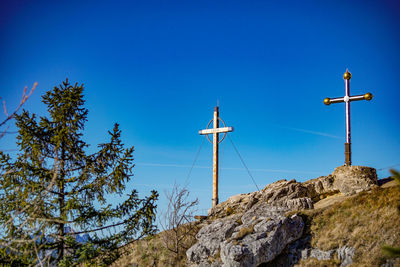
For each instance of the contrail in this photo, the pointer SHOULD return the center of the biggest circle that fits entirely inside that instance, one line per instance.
(170, 165)
(274, 170)
(310, 132)
(226, 168)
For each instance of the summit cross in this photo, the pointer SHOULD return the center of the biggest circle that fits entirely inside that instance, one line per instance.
(347, 99)
(215, 131)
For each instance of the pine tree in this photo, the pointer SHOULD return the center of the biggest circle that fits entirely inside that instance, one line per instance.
(54, 191)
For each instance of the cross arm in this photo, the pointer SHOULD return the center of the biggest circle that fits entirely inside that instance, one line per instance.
(218, 130)
(367, 96)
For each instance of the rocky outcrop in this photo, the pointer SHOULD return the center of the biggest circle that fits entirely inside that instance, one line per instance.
(354, 179)
(301, 250)
(266, 239)
(346, 180)
(344, 254)
(290, 195)
(257, 236)
(322, 186)
(210, 238)
(254, 228)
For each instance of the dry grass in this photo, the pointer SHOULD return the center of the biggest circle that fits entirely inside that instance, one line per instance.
(152, 251)
(330, 200)
(366, 222)
(243, 232)
(229, 211)
(146, 252)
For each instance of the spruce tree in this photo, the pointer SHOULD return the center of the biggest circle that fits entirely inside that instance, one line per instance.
(55, 191)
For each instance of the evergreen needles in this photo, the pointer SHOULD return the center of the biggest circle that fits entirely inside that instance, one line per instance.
(54, 194)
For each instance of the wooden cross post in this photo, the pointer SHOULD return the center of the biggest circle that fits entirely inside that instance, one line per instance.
(347, 99)
(215, 131)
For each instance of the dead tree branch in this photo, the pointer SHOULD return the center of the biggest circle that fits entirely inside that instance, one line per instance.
(24, 98)
(179, 230)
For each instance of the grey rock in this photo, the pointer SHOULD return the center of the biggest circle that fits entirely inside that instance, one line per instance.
(317, 254)
(354, 179)
(259, 247)
(263, 234)
(263, 211)
(283, 190)
(322, 184)
(345, 179)
(291, 195)
(297, 196)
(210, 237)
(391, 263)
(292, 253)
(345, 255)
(236, 255)
(207, 264)
(303, 203)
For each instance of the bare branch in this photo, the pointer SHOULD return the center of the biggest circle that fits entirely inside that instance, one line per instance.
(23, 100)
(176, 221)
(5, 108)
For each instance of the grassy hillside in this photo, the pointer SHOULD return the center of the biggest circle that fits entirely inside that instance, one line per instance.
(152, 251)
(366, 222)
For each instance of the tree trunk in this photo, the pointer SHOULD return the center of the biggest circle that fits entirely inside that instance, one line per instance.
(61, 202)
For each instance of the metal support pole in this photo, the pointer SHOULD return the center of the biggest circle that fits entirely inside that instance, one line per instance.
(347, 153)
(215, 157)
(347, 145)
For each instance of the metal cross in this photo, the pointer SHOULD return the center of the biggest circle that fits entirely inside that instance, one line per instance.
(347, 99)
(215, 131)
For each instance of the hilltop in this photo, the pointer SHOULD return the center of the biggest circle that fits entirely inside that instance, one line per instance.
(336, 220)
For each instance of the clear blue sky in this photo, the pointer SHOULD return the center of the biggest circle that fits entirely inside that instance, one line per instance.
(159, 67)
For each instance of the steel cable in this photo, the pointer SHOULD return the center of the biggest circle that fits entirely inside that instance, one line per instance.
(244, 164)
(195, 159)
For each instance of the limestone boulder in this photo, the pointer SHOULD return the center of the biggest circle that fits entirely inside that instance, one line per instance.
(291, 195)
(248, 239)
(281, 191)
(210, 237)
(265, 242)
(321, 185)
(354, 179)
